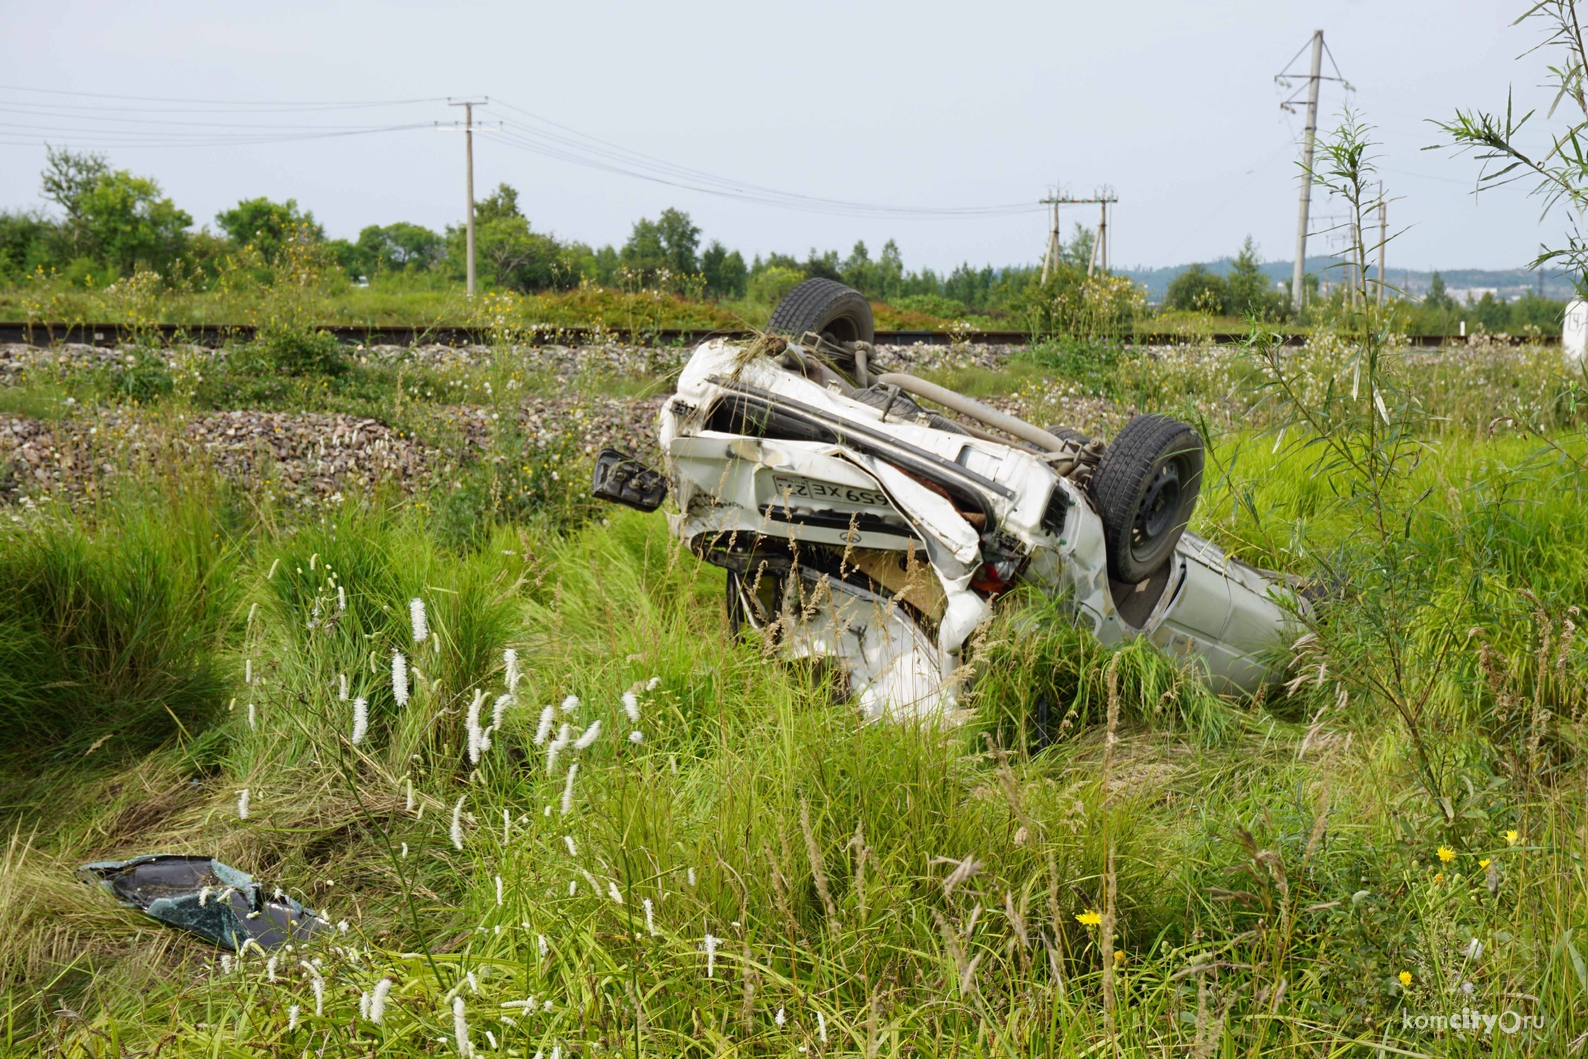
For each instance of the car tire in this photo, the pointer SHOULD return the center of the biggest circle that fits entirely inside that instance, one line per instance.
(1064, 433)
(1146, 487)
(827, 307)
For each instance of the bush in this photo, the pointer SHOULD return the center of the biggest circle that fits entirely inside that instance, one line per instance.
(1197, 290)
(301, 352)
(770, 285)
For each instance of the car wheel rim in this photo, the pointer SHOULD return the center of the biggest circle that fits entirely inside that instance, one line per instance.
(1155, 515)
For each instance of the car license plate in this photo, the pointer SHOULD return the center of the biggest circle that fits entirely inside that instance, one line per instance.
(793, 486)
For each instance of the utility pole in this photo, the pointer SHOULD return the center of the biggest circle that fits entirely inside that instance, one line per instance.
(1102, 197)
(1383, 238)
(468, 106)
(1308, 141)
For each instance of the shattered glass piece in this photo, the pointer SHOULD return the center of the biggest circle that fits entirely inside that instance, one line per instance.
(205, 897)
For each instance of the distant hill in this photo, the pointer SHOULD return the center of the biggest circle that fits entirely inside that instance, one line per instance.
(1506, 283)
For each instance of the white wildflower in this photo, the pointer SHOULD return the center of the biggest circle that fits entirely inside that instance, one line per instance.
(631, 706)
(226, 963)
(653, 683)
(248, 671)
(821, 1025)
(492, 1038)
(292, 1017)
(710, 945)
(460, 1028)
(252, 610)
(547, 717)
(270, 969)
(780, 1018)
(242, 804)
(457, 824)
(636, 737)
(650, 916)
(1474, 949)
(507, 827)
(416, 617)
(510, 664)
(567, 789)
(410, 803)
(573, 851)
(399, 678)
(498, 891)
(540, 940)
(590, 735)
(363, 1005)
(573, 887)
(341, 598)
(614, 893)
(474, 727)
(318, 985)
(272, 572)
(474, 983)
(251, 725)
(341, 687)
(405, 851)
(570, 704)
(360, 720)
(499, 711)
(691, 876)
(377, 1002)
(341, 926)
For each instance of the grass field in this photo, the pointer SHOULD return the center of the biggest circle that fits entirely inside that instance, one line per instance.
(1399, 834)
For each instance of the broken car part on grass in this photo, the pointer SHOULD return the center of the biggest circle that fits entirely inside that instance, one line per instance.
(859, 527)
(207, 898)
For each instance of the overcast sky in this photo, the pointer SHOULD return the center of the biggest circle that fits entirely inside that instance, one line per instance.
(909, 105)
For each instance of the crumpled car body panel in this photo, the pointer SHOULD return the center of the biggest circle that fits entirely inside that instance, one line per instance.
(205, 897)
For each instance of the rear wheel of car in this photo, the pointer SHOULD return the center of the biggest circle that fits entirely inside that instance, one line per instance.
(1146, 487)
(827, 307)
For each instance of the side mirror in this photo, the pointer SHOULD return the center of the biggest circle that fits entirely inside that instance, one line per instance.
(622, 479)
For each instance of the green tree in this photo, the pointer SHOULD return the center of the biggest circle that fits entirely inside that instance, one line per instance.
(644, 254)
(24, 243)
(1437, 296)
(1247, 291)
(267, 225)
(725, 272)
(1197, 290)
(397, 247)
(128, 222)
(503, 202)
(680, 239)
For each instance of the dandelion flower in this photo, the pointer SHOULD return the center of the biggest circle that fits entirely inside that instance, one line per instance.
(510, 664)
(567, 789)
(570, 704)
(457, 824)
(573, 851)
(780, 1018)
(499, 711)
(547, 717)
(416, 617)
(1512, 838)
(589, 736)
(460, 1028)
(1484, 863)
(399, 678)
(709, 943)
(636, 737)
(360, 720)
(650, 916)
(341, 687)
(1446, 854)
(242, 804)
(653, 683)
(631, 706)
(292, 1017)
(1089, 918)
(474, 726)
(1405, 977)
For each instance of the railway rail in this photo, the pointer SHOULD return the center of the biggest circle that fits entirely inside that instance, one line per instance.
(104, 334)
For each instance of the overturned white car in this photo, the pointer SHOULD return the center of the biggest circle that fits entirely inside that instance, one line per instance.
(859, 527)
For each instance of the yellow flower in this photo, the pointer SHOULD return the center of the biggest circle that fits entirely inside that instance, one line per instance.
(1511, 838)
(1484, 863)
(1089, 919)
(1405, 977)
(1119, 956)
(1439, 877)
(1446, 854)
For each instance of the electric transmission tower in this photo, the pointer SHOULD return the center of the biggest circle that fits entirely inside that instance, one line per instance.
(1103, 198)
(1309, 137)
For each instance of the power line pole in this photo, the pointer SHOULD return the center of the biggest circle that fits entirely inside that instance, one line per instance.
(1383, 238)
(1308, 137)
(468, 106)
(1102, 197)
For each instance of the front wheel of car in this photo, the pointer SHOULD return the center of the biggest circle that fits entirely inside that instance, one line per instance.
(1146, 487)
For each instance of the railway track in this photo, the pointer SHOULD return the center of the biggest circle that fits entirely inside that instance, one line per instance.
(44, 334)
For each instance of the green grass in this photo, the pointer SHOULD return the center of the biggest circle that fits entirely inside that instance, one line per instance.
(900, 890)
